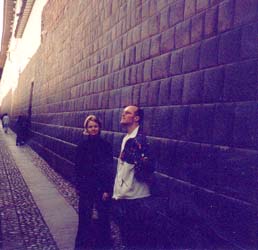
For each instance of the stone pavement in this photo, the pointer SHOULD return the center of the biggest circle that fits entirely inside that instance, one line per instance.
(37, 206)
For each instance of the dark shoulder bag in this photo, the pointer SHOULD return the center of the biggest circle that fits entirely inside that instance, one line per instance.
(136, 152)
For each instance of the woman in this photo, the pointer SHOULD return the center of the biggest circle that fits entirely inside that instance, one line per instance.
(21, 128)
(93, 170)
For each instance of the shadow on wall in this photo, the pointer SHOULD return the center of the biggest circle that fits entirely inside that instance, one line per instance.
(189, 217)
(184, 215)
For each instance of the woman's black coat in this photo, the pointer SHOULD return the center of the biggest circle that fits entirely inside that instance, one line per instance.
(94, 166)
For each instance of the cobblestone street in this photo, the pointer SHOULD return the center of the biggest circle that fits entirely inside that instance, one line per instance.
(38, 207)
(26, 222)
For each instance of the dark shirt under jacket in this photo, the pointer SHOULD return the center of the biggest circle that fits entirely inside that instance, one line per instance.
(93, 165)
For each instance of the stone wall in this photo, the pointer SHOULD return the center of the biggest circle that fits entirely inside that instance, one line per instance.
(192, 66)
(7, 104)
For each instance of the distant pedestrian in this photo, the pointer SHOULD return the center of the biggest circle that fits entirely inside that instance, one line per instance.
(21, 128)
(93, 170)
(131, 188)
(5, 122)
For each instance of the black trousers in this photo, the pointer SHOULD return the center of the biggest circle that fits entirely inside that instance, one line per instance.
(134, 221)
(97, 235)
(20, 138)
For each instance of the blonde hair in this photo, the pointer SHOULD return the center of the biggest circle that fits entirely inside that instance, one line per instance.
(91, 118)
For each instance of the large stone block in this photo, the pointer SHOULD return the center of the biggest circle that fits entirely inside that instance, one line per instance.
(130, 56)
(140, 73)
(164, 91)
(161, 67)
(208, 166)
(167, 40)
(215, 2)
(186, 165)
(209, 53)
(113, 80)
(190, 8)
(145, 9)
(176, 13)
(211, 22)
(127, 79)
(108, 119)
(147, 71)
(161, 4)
(176, 90)
(115, 98)
(191, 58)
(153, 28)
(166, 156)
(146, 49)
(144, 94)
(155, 46)
(246, 125)
(245, 12)
(116, 117)
(164, 16)
(241, 81)
(133, 79)
(182, 37)
(201, 123)
(126, 97)
(153, 93)
(176, 63)
(144, 29)
(153, 7)
(108, 81)
(224, 124)
(136, 95)
(179, 123)
(249, 45)
(226, 14)
(193, 88)
(229, 46)
(138, 15)
(138, 53)
(197, 29)
(162, 120)
(202, 5)
(148, 122)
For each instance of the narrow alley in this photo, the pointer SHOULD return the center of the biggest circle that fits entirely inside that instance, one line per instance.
(38, 207)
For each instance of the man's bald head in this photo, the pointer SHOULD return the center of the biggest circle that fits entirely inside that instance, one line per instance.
(132, 116)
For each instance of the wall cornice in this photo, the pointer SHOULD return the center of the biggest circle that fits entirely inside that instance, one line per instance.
(8, 19)
(24, 15)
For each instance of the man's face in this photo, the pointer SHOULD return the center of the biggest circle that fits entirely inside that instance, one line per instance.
(128, 116)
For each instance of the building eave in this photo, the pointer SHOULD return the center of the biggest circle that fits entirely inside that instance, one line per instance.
(24, 15)
(8, 19)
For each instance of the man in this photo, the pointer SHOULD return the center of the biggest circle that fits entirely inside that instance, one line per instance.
(131, 188)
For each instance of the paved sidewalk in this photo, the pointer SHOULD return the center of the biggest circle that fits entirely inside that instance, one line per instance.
(38, 208)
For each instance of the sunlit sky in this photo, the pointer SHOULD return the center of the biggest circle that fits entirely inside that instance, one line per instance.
(1, 19)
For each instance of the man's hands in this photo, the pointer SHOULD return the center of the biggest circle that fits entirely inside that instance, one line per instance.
(105, 196)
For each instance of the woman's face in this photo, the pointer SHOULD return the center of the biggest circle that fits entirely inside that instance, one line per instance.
(92, 128)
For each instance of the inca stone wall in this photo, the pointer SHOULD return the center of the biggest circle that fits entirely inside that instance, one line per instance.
(6, 104)
(192, 66)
